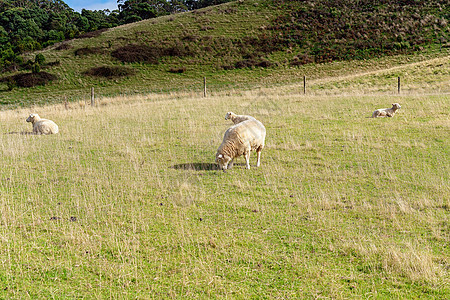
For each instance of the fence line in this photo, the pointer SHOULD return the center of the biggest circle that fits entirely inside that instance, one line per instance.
(210, 89)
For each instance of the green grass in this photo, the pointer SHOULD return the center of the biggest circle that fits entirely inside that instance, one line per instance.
(126, 200)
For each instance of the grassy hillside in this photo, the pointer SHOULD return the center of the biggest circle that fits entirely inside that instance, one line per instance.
(126, 200)
(247, 44)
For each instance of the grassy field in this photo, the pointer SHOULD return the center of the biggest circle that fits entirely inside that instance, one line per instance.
(126, 201)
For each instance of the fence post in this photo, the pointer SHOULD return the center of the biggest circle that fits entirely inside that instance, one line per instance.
(398, 85)
(304, 85)
(204, 86)
(92, 97)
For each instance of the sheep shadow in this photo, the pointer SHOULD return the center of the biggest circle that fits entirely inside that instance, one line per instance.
(196, 167)
(22, 133)
(202, 166)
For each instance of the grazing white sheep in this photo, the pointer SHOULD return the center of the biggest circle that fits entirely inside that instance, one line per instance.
(386, 112)
(42, 126)
(239, 140)
(237, 118)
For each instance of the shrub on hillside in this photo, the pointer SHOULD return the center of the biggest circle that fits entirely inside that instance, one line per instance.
(63, 46)
(29, 79)
(252, 63)
(178, 49)
(110, 71)
(177, 70)
(92, 33)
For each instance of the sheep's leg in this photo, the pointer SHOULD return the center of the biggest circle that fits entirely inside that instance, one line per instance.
(258, 159)
(230, 164)
(247, 159)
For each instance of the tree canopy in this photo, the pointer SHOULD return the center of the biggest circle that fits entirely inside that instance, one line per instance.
(29, 25)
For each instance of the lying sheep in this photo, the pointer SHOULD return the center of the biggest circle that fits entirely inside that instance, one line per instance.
(42, 126)
(386, 112)
(239, 140)
(237, 118)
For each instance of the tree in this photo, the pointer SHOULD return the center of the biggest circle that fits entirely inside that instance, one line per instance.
(35, 68)
(136, 10)
(97, 19)
(196, 4)
(40, 59)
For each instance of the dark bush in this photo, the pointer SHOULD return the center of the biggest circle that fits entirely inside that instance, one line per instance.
(34, 79)
(178, 50)
(229, 67)
(110, 71)
(29, 79)
(177, 70)
(92, 33)
(63, 46)
(253, 62)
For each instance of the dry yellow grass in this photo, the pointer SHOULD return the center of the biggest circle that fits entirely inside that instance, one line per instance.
(126, 200)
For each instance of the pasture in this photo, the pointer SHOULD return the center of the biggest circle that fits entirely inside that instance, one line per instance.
(127, 202)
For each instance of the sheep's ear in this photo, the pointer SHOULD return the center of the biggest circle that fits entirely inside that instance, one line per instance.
(220, 156)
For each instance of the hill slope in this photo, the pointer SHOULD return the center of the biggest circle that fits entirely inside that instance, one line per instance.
(244, 43)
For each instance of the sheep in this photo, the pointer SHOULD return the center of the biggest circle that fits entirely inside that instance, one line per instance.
(42, 126)
(386, 112)
(237, 118)
(239, 140)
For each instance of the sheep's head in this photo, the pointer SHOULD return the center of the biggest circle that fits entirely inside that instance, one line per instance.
(396, 106)
(223, 161)
(32, 117)
(228, 115)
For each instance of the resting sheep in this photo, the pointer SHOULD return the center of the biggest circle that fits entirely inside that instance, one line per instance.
(42, 126)
(237, 118)
(386, 112)
(239, 140)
